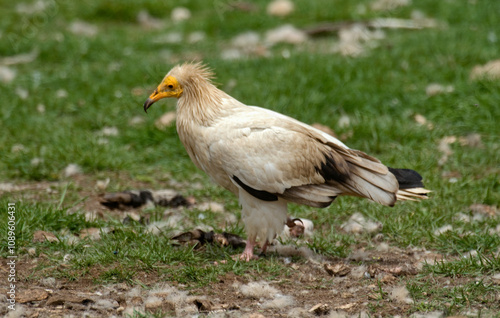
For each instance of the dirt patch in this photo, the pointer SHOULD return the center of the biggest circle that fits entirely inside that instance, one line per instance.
(371, 280)
(307, 289)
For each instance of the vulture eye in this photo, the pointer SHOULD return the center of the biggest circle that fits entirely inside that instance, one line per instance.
(170, 86)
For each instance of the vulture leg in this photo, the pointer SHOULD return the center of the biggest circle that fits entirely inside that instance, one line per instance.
(264, 247)
(262, 219)
(248, 252)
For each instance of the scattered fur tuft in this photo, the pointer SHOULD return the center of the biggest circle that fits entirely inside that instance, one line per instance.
(432, 314)
(382, 247)
(338, 314)
(281, 301)
(18, 313)
(290, 251)
(358, 272)
(298, 312)
(360, 255)
(134, 292)
(259, 290)
(153, 301)
(401, 295)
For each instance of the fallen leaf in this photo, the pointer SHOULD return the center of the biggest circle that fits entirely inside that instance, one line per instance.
(386, 278)
(337, 269)
(67, 297)
(320, 309)
(346, 306)
(159, 305)
(92, 232)
(395, 270)
(31, 294)
(42, 236)
(203, 305)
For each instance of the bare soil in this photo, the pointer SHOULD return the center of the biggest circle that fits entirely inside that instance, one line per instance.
(365, 282)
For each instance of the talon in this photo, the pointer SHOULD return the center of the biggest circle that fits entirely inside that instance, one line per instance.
(247, 254)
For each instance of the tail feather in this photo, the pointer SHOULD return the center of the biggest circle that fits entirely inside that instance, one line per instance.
(407, 178)
(411, 187)
(414, 194)
(367, 179)
(358, 186)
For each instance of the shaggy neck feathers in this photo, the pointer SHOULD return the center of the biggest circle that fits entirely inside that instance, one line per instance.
(201, 101)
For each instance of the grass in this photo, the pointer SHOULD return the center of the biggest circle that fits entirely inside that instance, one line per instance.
(88, 83)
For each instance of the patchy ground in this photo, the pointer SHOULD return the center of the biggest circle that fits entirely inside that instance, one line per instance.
(372, 280)
(343, 286)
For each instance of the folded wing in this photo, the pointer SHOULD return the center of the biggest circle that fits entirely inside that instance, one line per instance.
(271, 155)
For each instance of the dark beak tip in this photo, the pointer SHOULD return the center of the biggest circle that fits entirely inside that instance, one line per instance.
(148, 104)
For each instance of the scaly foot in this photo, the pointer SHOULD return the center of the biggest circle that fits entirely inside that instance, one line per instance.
(248, 252)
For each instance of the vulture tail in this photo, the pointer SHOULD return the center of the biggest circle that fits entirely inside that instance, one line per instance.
(411, 187)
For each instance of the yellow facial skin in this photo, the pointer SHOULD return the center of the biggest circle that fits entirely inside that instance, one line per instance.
(169, 87)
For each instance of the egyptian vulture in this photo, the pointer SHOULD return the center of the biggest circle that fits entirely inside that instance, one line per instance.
(268, 159)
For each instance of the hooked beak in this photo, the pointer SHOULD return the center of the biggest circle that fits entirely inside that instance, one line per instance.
(156, 96)
(148, 104)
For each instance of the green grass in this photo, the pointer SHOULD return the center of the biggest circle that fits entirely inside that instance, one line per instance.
(452, 298)
(474, 265)
(380, 91)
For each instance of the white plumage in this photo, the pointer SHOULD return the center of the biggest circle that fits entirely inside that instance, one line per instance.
(268, 159)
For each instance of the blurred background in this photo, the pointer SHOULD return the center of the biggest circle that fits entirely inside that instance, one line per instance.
(73, 76)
